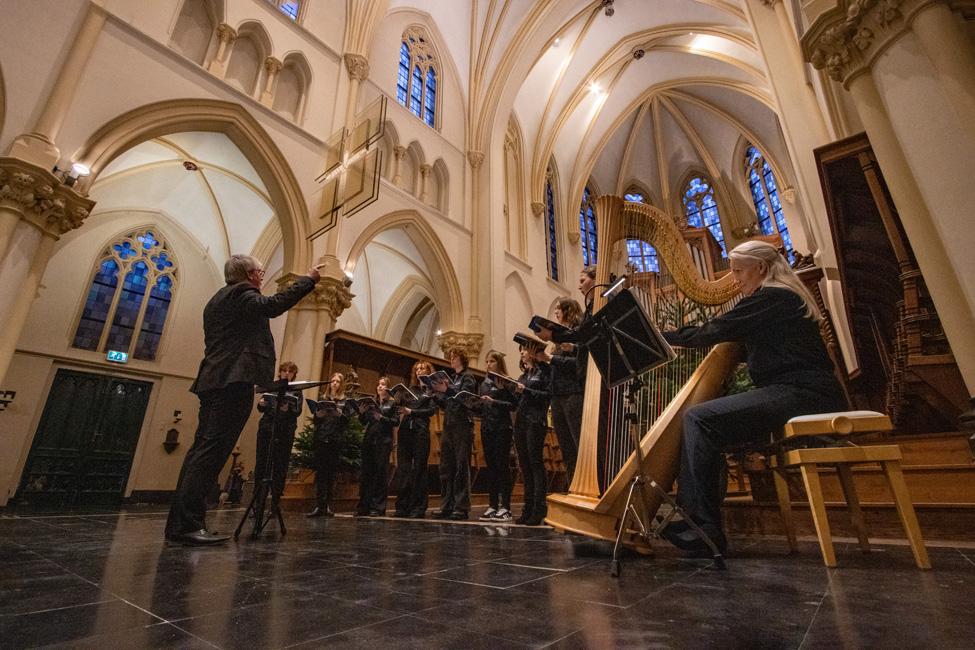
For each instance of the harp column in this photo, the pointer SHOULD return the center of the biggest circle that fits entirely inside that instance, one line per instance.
(608, 224)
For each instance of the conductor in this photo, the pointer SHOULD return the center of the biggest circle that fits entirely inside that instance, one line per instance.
(239, 354)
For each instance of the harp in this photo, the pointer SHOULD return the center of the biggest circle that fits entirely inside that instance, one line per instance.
(689, 291)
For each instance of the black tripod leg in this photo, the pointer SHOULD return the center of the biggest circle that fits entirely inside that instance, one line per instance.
(250, 507)
(276, 507)
(260, 496)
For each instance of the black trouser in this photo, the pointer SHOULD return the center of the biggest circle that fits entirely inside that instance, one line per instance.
(326, 454)
(223, 414)
(567, 422)
(497, 448)
(456, 446)
(530, 445)
(412, 453)
(734, 421)
(375, 470)
(283, 442)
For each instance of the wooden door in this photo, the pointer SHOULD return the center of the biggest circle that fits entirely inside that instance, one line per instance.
(84, 445)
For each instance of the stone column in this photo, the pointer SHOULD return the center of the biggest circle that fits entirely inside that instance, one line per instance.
(470, 343)
(952, 54)
(38, 146)
(45, 208)
(226, 35)
(424, 177)
(398, 153)
(480, 254)
(848, 41)
(273, 67)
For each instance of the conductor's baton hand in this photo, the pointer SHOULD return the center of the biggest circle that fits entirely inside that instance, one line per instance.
(314, 274)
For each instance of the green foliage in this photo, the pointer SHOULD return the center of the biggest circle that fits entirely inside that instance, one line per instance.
(673, 310)
(351, 455)
(739, 381)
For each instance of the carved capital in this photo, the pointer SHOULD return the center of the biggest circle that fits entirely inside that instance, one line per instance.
(846, 40)
(425, 170)
(226, 33)
(357, 66)
(788, 195)
(470, 343)
(272, 65)
(399, 151)
(332, 295)
(538, 208)
(475, 158)
(41, 198)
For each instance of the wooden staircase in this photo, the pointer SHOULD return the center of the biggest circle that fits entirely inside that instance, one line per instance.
(940, 477)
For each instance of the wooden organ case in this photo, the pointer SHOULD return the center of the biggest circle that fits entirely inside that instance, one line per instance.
(606, 463)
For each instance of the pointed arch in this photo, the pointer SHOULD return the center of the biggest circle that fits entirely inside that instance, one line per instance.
(447, 288)
(291, 88)
(407, 296)
(174, 116)
(387, 145)
(416, 158)
(441, 176)
(245, 65)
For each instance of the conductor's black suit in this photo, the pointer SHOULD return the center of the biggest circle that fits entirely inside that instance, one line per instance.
(239, 355)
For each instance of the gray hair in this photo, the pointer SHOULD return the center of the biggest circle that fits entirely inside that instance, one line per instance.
(779, 274)
(237, 268)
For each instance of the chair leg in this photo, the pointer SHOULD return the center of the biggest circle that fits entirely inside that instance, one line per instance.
(785, 507)
(898, 488)
(853, 502)
(810, 476)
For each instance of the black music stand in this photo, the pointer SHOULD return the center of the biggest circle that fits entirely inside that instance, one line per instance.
(266, 486)
(624, 344)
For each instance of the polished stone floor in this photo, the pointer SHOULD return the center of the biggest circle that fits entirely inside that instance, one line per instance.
(107, 581)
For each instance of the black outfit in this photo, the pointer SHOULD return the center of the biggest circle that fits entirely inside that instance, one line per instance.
(331, 431)
(496, 435)
(531, 425)
(239, 354)
(284, 440)
(793, 375)
(377, 444)
(568, 396)
(456, 446)
(412, 454)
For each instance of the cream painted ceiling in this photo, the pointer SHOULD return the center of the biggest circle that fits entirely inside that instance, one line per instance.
(223, 202)
(567, 72)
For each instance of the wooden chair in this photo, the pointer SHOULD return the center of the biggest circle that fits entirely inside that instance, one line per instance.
(838, 428)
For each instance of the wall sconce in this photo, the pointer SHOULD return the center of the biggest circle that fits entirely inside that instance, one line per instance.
(77, 171)
(348, 280)
(172, 441)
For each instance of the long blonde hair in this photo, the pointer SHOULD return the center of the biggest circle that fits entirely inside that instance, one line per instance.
(328, 391)
(779, 273)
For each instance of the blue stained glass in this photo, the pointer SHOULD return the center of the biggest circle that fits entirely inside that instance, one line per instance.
(162, 261)
(125, 250)
(430, 101)
(291, 9)
(403, 78)
(147, 345)
(766, 198)
(642, 255)
(97, 305)
(553, 252)
(127, 311)
(148, 241)
(707, 213)
(587, 228)
(636, 197)
(416, 90)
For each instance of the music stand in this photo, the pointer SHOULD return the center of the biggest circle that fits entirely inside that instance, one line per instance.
(624, 344)
(266, 485)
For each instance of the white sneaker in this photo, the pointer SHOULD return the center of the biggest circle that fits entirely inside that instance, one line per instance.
(502, 515)
(489, 514)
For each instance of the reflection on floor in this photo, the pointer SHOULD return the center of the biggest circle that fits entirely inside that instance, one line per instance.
(109, 581)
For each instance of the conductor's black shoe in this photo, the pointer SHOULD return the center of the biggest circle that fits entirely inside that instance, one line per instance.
(440, 514)
(200, 537)
(318, 512)
(689, 541)
(458, 515)
(524, 518)
(535, 521)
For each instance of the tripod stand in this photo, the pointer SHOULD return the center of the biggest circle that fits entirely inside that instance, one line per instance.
(265, 486)
(638, 485)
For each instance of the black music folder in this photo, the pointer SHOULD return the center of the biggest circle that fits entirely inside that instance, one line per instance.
(539, 322)
(529, 341)
(428, 380)
(402, 395)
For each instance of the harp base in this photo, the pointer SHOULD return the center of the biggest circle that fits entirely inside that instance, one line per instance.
(575, 514)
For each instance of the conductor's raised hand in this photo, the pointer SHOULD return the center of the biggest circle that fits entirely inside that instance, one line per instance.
(314, 273)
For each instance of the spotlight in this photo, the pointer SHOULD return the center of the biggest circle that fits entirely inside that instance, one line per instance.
(608, 7)
(77, 171)
(348, 279)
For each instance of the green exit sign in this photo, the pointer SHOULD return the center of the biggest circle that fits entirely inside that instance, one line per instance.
(118, 357)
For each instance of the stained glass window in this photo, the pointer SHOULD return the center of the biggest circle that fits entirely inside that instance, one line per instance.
(290, 9)
(765, 195)
(642, 255)
(122, 317)
(633, 195)
(553, 251)
(587, 228)
(701, 210)
(416, 80)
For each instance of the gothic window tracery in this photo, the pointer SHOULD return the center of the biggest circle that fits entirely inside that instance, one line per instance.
(129, 297)
(551, 232)
(416, 81)
(642, 256)
(587, 228)
(700, 208)
(765, 195)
